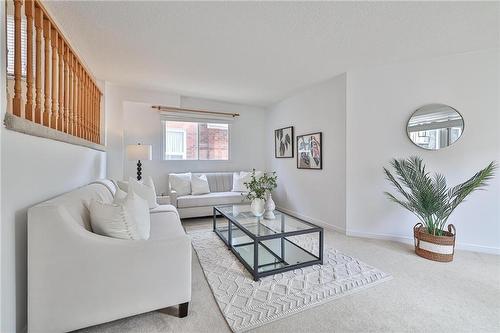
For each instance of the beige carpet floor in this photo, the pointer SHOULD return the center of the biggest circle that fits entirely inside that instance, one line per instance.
(423, 296)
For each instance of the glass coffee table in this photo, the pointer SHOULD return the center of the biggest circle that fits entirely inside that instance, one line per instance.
(267, 247)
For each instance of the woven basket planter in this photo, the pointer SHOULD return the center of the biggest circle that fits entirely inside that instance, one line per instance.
(437, 248)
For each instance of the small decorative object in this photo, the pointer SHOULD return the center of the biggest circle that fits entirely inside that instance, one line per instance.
(137, 153)
(435, 126)
(432, 202)
(257, 207)
(283, 142)
(258, 190)
(309, 151)
(269, 207)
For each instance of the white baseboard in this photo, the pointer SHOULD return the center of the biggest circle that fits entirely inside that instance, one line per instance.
(409, 240)
(320, 223)
(390, 237)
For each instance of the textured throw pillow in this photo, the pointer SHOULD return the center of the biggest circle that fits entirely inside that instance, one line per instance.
(145, 190)
(199, 185)
(180, 183)
(126, 220)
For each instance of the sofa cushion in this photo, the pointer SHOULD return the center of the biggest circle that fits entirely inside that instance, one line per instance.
(219, 181)
(210, 199)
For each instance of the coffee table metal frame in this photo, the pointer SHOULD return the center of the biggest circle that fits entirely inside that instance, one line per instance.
(256, 240)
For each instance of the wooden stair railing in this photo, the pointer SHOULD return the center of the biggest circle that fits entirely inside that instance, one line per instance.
(60, 92)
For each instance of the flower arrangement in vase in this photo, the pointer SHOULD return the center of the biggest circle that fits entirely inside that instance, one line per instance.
(259, 192)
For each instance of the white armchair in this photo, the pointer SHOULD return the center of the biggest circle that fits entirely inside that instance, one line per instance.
(77, 278)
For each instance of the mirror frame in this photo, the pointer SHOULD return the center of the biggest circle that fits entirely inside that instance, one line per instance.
(432, 149)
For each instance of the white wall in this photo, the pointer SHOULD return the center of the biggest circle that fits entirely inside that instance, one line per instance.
(380, 101)
(317, 195)
(32, 170)
(116, 96)
(142, 124)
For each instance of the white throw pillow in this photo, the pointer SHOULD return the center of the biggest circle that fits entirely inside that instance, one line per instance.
(127, 220)
(199, 185)
(180, 183)
(239, 180)
(122, 185)
(119, 196)
(145, 190)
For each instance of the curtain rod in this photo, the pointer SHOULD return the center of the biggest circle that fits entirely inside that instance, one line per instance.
(174, 109)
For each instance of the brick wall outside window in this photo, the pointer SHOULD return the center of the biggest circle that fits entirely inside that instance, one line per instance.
(213, 140)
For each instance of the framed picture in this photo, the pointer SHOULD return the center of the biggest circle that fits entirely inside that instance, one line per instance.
(283, 142)
(309, 151)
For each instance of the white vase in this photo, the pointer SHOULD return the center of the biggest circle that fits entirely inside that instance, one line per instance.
(257, 207)
(269, 208)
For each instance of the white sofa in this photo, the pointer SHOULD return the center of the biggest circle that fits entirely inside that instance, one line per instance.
(220, 183)
(77, 278)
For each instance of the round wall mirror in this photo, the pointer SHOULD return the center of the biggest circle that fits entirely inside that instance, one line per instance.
(435, 126)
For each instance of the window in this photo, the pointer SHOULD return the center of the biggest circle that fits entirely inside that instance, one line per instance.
(175, 144)
(186, 140)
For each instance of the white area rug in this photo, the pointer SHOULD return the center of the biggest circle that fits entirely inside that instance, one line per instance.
(247, 304)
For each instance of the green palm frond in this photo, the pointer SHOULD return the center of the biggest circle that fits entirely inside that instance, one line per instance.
(428, 197)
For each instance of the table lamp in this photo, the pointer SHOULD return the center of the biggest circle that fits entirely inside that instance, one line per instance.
(137, 153)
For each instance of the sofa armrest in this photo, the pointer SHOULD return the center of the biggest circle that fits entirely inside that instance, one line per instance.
(173, 198)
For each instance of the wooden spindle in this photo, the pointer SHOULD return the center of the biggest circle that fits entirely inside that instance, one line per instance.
(98, 117)
(16, 102)
(94, 103)
(38, 65)
(93, 114)
(67, 90)
(74, 97)
(77, 100)
(85, 107)
(55, 93)
(71, 93)
(89, 108)
(46, 35)
(80, 101)
(29, 109)
(89, 111)
(60, 52)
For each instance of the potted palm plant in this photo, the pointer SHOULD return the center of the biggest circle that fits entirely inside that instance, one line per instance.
(430, 199)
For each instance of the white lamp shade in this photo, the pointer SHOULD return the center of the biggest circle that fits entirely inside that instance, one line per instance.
(139, 152)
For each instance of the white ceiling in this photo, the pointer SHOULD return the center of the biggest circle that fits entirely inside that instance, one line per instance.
(260, 52)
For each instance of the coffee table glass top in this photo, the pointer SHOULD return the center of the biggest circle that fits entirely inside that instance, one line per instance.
(263, 227)
(265, 246)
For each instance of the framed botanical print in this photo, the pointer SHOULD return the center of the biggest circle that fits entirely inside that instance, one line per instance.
(309, 151)
(283, 142)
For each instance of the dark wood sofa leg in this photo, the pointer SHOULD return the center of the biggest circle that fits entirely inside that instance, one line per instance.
(183, 309)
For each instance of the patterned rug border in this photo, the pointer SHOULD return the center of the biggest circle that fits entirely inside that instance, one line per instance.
(289, 312)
